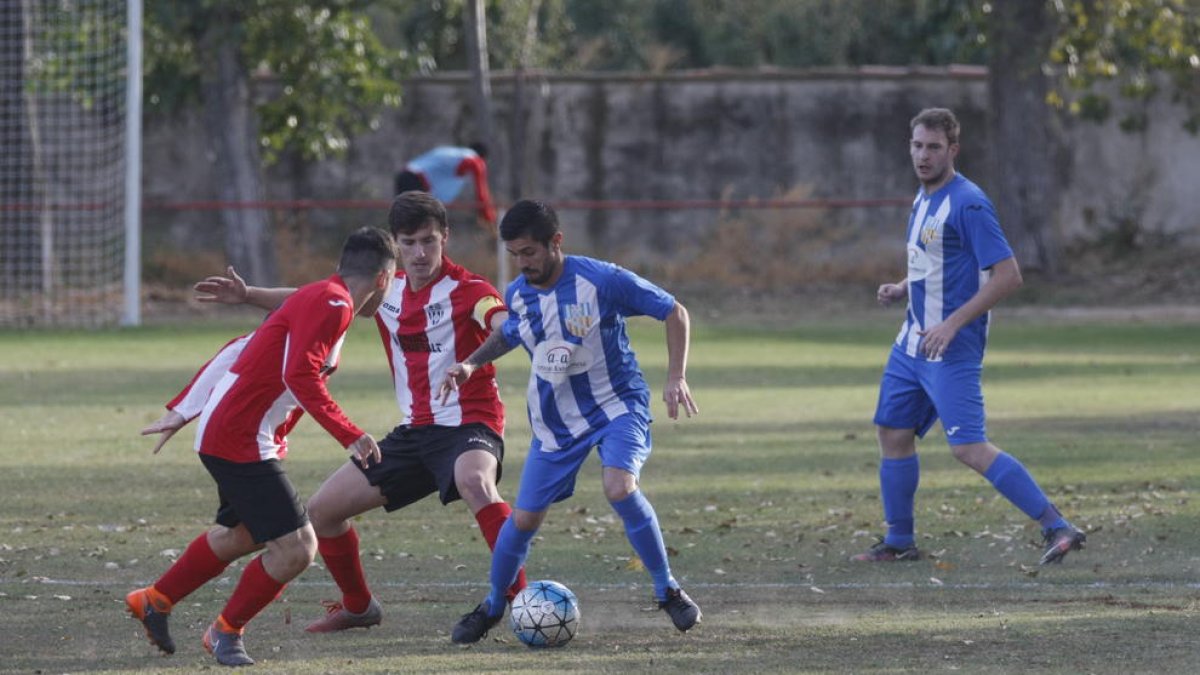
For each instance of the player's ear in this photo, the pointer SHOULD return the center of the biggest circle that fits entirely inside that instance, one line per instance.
(556, 240)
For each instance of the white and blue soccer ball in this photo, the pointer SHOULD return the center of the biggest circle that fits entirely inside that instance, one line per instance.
(545, 614)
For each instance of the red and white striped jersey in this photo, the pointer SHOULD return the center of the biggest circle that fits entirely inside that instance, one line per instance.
(279, 375)
(426, 332)
(190, 402)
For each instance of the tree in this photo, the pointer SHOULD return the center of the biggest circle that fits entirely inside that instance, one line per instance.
(316, 68)
(1023, 130)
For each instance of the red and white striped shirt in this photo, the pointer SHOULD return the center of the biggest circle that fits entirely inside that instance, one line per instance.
(278, 376)
(426, 332)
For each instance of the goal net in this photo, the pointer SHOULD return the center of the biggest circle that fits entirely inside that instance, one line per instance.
(63, 67)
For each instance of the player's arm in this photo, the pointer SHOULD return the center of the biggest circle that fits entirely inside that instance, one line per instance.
(311, 339)
(1005, 278)
(890, 293)
(189, 402)
(483, 197)
(232, 290)
(495, 346)
(676, 393)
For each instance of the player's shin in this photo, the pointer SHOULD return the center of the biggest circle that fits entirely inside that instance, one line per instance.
(490, 519)
(898, 481)
(512, 547)
(345, 566)
(645, 535)
(193, 569)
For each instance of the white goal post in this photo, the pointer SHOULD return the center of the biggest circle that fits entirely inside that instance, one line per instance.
(70, 129)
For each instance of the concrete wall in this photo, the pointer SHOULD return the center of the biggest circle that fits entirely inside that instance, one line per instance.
(738, 135)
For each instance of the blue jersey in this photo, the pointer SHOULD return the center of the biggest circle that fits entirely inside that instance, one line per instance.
(583, 372)
(954, 238)
(440, 166)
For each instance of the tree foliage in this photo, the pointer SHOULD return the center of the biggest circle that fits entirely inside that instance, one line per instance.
(321, 72)
(1138, 46)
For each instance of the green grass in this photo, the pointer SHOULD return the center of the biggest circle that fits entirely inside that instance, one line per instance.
(762, 498)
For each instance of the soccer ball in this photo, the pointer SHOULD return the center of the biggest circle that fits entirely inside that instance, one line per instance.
(545, 614)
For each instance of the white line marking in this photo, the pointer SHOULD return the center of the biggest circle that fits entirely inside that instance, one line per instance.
(981, 586)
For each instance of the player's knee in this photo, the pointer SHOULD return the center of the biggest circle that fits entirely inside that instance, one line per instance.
(321, 514)
(618, 493)
(618, 485)
(475, 487)
(896, 443)
(297, 551)
(527, 520)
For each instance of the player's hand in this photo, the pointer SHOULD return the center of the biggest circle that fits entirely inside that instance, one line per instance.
(455, 375)
(937, 339)
(677, 395)
(366, 451)
(229, 290)
(166, 425)
(889, 293)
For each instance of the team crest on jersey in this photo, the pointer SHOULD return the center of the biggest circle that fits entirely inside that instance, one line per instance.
(434, 313)
(930, 229)
(578, 318)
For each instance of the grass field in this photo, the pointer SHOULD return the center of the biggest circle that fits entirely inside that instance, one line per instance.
(762, 498)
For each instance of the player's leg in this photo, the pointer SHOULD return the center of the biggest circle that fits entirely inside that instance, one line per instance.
(548, 477)
(902, 412)
(624, 446)
(345, 494)
(267, 505)
(899, 478)
(508, 560)
(958, 395)
(204, 559)
(476, 471)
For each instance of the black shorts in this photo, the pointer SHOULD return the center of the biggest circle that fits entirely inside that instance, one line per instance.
(257, 495)
(418, 461)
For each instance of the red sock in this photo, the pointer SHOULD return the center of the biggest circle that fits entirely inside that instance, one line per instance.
(341, 559)
(491, 518)
(195, 567)
(255, 590)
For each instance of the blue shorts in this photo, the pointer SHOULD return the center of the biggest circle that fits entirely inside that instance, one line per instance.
(549, 477)
(914, 393)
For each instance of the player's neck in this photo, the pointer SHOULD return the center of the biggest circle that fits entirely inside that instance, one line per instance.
(940, 183)
(553, 279)
(416, 282)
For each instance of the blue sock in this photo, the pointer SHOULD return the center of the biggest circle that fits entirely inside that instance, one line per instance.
(1012, 479)
(898, 480)
(643, 532)
(512, 547)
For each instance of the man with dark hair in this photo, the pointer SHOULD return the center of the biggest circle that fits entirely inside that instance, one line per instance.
(443, 172)
(585, 391)
(959, 266)
(435, 313)
(278, 375)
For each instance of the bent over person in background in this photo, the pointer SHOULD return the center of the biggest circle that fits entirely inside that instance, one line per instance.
(585, 391)
(959, 266)
(259, 397)
(435, 313)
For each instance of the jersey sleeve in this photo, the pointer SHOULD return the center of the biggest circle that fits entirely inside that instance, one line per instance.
(190, 402)
(638, 297)
(486, 308)
(314, 334)
(475, 166)
(981, 231)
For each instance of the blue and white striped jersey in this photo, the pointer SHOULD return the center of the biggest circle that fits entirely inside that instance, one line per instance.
(954, 238)
(583, 372)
